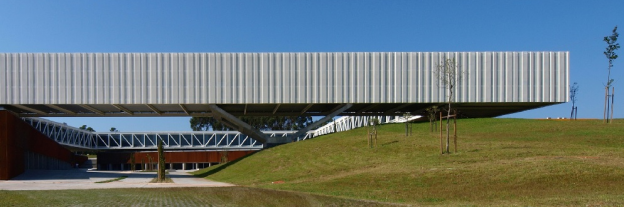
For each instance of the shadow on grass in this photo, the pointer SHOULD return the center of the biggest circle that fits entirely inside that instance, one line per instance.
(389, 143)
(220, 167)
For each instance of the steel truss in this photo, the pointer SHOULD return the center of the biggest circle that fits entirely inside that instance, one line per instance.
(196, 140)
(63, 134)
(347, 123)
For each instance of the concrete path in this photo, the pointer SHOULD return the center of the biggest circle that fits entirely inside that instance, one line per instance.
(85, 179)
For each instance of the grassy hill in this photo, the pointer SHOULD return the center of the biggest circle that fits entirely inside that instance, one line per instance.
(499, 162)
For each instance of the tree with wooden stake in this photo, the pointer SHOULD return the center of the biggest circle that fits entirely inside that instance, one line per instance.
(449, 74)
(161, 162)
(609, 52)
(372, 132)
(573, 90)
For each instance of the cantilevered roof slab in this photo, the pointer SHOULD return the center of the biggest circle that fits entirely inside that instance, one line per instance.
(183, 84)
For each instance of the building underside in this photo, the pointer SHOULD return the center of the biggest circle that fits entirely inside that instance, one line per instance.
(468, 110)
(227, 85)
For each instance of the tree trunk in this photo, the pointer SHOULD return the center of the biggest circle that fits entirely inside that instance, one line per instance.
(572, 112)
(132, 162)
(406, 129)
(430, 125)
(161, 162)
(441, 140)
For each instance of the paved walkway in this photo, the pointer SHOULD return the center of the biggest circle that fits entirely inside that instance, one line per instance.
(85, 179)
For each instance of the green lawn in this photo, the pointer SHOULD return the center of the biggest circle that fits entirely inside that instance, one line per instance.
(229, 196)
(499, 162)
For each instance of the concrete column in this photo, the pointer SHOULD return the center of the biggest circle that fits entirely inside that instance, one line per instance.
(171, 166)
(145, 167)
(183, 166)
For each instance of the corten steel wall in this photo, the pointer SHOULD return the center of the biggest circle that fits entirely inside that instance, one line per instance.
(12, 149)
(106, 158)
(278, 78)
(17, 138)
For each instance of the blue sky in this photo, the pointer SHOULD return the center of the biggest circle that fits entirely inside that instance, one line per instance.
(324, 26)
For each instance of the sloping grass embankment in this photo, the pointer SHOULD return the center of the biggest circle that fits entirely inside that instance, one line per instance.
(499, 162)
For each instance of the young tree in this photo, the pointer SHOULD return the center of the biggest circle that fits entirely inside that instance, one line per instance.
(609, 52)
(573, 90)
(161, 162)
(372, 132)
(113, 129)
(432, 113)
(449, 74)
(150, 163)
(132, 162)
(408, 130)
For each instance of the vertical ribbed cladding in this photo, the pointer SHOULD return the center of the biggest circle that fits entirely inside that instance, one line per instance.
(203, 78)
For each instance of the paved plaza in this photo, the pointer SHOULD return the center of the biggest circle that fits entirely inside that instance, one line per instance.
(87, 178)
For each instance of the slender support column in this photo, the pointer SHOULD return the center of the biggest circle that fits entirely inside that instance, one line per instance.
(273, 141)
(233, 122)
(183, 166)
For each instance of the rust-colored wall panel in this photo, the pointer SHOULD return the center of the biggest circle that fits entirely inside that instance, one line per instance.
(17, 137)
(4, 164)
(170, 157)
(14, 158)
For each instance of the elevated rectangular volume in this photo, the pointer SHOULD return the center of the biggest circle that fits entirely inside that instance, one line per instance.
(279, 78)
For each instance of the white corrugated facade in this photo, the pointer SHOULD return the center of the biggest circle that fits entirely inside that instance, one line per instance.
(278, 78)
